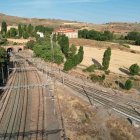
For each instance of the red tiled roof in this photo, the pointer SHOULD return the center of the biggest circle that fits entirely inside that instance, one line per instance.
(64, 30)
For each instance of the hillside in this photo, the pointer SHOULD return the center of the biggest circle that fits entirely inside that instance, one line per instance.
(114, 27)
(13, 20)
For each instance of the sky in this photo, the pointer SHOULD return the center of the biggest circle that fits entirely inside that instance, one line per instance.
(91, 11)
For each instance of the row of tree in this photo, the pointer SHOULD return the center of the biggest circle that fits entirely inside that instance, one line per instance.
(72, 59)
(95, 35)
(24, 31)
(135, 36)
(43, 49)
(4, 61)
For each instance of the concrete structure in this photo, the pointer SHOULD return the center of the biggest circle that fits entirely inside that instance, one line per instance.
(14, 48)
(40, 34)
(70, 33)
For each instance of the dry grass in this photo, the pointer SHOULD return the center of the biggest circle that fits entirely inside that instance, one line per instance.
(134, 47)
(78, 116)
(121, 57)
(121, 130)
(84, 122)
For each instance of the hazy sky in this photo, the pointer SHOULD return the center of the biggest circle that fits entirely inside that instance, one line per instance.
(96, 11)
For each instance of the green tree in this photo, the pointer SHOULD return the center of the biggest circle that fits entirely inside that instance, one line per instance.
(134, 69)
(42, 49)
(30, 29)
(64, 44)
(128, 84)
(20, 30)
(2, 40)
(30, 44)
(72, 50)
(137, 42)
(95, 35)
(55, 38)
(2, 55)
(24, 28)
(25, 35)
(3, 27)
(133, 36)
(80, 54)
(74, 60)
(69, 64)
(12, 33)
(106, 59)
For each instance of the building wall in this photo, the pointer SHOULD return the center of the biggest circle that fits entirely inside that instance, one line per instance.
(70, 33)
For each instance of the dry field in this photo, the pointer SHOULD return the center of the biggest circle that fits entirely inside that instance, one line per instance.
(134, 47)
(119, 59)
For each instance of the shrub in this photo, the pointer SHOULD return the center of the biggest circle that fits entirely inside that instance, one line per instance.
(126, 46)
(134, 69)
(68, 65)
(128, 84)
(137, 42)
(107, 72)
(15, 43)
(58, 59)
(91, 68)
(97, 78)
(13, 32)
(75, 60)
(30, 44)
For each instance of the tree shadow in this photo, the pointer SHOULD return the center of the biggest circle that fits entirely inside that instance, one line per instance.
(121, 85)
(96, 63)
(124, 70)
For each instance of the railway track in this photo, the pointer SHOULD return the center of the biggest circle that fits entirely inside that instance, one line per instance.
(9, 111)
(117, 104)
(96, 96)
(114, 97)
(17, 109)
(39, 113)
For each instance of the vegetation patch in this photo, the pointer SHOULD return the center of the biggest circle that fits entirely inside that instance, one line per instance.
(91, 68)
(126, 45)
(97, 78)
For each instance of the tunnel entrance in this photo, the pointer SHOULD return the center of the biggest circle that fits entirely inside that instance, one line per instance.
(9, 50)
(19, 49)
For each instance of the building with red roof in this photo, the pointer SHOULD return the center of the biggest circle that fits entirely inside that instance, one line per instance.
(70, 33)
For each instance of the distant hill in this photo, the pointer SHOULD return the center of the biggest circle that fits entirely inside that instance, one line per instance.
(114, 27)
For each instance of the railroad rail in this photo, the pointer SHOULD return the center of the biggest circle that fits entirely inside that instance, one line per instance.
(19, 103)
(24, 86)
(99, 96)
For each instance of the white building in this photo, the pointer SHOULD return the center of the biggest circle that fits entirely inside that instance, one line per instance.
(40, 34)
(70, 33)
